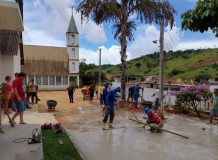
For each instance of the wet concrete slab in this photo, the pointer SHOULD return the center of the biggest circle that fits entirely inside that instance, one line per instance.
(130, 141)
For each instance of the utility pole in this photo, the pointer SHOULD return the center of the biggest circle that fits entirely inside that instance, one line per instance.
(161, 73)
(99, 78)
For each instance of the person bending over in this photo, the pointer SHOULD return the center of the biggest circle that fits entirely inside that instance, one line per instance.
(154, 120)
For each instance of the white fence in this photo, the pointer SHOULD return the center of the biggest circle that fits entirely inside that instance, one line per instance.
(170, 97)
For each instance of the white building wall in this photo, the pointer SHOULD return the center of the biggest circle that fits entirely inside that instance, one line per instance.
(73, 60)
(69, 39)
(17, 63)
(8, 66)
(73, 69)
(70, 53)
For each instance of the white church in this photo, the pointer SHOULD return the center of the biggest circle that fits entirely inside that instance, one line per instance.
(54, 67)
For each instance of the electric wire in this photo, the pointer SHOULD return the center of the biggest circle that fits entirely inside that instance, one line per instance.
(172, 40)
(53, 3)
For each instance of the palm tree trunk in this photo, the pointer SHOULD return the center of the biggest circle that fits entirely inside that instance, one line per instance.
(123, 50)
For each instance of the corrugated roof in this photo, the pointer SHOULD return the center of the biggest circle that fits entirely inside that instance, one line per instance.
(72, 27)
(9, 42)
(45, 60)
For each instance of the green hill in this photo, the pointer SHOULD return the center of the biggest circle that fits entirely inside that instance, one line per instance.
(186, 64)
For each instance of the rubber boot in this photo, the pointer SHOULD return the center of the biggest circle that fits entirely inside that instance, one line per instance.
(110, 125)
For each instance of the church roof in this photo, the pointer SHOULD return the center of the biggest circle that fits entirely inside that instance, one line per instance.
(45, 60)
(72, 27)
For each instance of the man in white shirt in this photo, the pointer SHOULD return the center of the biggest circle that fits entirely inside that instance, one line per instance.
(156, 99)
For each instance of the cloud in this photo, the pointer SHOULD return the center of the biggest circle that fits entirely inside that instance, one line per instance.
(91, 32)
(52, 18)
(143, 43)
(39, 37)
(204, 44)
(108, 55)
(141, 46)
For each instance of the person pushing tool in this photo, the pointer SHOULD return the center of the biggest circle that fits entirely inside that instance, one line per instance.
(154, 120)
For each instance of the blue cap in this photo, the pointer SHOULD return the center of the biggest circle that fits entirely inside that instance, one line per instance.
(147, 110)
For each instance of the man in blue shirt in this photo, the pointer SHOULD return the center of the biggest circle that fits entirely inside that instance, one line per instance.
(130, 95)
(109, 108)
(136, 94)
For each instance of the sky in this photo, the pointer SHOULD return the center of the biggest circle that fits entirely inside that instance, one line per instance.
(46, 23)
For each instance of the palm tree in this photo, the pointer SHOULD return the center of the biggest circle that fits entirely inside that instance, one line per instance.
(120, 12)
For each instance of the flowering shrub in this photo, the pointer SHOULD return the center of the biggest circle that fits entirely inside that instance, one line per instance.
(57, 128)
(46, 126)
(193, 95)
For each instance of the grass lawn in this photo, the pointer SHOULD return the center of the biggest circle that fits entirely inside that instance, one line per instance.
(52, 150)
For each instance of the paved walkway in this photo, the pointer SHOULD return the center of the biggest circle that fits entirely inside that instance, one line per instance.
(23, 151)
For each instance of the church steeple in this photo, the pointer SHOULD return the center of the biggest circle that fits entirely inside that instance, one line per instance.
(72, 39)
(72, 27)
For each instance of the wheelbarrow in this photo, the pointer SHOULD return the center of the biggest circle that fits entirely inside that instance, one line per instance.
(146, 104)
(85, 92)
(51, 105)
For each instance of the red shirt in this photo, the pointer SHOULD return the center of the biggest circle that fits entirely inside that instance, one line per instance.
(18, 83)
(154, 118)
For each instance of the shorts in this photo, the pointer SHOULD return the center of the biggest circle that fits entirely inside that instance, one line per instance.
(214, 112)
(20, 105)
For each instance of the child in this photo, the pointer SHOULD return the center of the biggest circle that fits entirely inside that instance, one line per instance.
(153, 118)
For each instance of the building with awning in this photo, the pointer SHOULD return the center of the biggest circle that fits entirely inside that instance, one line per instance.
(11, 27)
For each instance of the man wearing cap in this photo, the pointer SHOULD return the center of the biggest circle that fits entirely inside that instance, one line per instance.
(109, 108)
(153, 118)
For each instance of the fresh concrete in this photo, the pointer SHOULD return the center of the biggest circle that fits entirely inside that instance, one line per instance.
(135, 142)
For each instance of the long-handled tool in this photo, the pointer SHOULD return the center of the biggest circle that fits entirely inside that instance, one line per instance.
(10, 121)
(159, 128)
(134, 115)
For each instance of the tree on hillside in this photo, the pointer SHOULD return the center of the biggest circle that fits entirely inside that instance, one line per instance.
(138, 65)
(89, 73)
(203, 17)
(202, 78)
(125, 14)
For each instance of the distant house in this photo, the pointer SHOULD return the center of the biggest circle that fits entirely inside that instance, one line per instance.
(117, 78)
(11, 27)
(54, 67)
